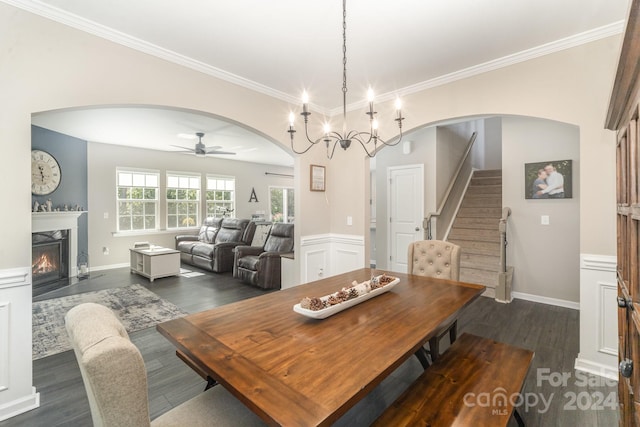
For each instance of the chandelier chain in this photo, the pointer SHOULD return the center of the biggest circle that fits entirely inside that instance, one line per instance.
(344, 58)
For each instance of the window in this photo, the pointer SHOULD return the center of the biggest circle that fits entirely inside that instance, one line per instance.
(183, 200)
(137, 198)
(281, 204)
(221, 196)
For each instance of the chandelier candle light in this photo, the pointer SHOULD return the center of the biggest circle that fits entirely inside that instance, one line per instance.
(345, 138)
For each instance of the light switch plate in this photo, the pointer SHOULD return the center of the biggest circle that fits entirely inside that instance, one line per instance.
(544, 220)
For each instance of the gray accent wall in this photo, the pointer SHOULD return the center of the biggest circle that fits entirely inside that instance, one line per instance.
(71, 154)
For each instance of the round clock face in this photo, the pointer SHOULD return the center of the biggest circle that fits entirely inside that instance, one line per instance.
(45, 173)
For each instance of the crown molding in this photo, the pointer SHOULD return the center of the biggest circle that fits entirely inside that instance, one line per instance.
(75, 21)
(91, 27)
(525, 55)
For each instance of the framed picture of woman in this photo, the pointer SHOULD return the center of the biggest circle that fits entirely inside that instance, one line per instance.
(548, 180)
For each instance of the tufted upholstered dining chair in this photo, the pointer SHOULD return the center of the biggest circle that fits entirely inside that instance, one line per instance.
(439, 259)
(115, 379)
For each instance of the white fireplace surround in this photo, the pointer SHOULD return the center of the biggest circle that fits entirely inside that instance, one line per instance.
(53, 221)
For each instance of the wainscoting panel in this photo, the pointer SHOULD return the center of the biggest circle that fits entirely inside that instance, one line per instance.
(4, 345)
(598, 316)
(17, 394)
(327, 255)
(608, 319)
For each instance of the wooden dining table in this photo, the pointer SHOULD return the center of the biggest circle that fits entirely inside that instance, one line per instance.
(292, 370)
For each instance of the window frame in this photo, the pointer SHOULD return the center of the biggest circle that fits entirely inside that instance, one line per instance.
(143, 200)
(208, 202)
(285, 207)
(198, 201)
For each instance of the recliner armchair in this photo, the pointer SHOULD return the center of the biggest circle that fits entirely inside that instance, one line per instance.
(260, 266)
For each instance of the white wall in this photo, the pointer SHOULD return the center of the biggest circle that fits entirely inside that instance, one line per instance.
(492, 143)
(103, 159)
(451, 143)
(546, 258)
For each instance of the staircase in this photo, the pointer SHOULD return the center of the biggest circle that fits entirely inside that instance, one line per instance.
(476, 230)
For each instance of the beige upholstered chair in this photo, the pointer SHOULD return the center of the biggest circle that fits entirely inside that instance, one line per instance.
(115, 378)
(435, 258)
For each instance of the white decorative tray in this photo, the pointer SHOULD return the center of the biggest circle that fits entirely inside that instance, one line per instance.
(333, 309)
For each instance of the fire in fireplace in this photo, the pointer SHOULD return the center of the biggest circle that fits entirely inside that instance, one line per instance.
(49, 260)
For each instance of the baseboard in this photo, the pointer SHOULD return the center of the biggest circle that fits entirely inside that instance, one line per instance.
(596, 368)
(19, 406)
(546, 300)
(110, 267)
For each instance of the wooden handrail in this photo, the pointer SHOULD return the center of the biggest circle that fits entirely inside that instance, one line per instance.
(506, 212)
(426, 225)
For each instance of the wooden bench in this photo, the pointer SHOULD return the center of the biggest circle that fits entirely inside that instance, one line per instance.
(474, 383)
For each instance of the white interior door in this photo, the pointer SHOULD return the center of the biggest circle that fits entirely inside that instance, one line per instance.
(406, 211)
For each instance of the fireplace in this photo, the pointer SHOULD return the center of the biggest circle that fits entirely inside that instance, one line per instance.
(54, 241)
(49, 260)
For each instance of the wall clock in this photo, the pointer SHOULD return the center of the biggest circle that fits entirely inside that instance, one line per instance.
(45, 173)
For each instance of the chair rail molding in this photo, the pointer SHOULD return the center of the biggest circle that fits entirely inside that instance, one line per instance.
(326, 255)
(17, 394)
(598, 316)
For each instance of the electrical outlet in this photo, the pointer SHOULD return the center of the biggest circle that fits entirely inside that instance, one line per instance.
(349, 220)
(544, 220)
(105, 250)
(106, 215)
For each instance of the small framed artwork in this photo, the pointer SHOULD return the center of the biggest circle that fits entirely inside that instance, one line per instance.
(548, 180)
(317, 182)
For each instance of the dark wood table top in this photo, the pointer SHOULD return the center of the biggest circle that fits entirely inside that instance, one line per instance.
(293, 370)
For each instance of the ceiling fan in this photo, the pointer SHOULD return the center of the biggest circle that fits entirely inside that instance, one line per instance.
(201, 149)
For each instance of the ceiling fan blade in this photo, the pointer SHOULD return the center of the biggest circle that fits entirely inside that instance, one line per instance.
(183, 148)
(220, 152)
(213, 148)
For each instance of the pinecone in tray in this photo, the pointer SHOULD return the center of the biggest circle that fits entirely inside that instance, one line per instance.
(314, 304)
(385, 280)
(353, 291)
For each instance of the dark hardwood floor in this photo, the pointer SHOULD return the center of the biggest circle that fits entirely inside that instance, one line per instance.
(552, 332)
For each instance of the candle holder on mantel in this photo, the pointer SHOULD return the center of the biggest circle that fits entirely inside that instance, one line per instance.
(83, 266)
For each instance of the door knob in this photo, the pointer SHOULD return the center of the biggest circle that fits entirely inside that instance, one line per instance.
(417, 228)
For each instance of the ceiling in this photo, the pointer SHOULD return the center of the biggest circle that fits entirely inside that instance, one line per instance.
(281, 47)
(163, 129)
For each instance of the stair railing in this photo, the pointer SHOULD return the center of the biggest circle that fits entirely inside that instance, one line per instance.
(427, 222)
(506, 212)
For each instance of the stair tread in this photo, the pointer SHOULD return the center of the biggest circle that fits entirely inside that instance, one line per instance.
(474, 247)
(494, 268)
(480, 213)
(482, 277)
(480, 235)
(477, 223)
(488, 172)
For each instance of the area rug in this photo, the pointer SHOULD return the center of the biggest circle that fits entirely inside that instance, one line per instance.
(136, 306)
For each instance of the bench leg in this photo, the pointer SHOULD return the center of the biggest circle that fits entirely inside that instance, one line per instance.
(453, 332)
(518, 418)
(421, 354)
(434, 348)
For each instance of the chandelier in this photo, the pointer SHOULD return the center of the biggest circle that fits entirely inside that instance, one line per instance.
(331, 138)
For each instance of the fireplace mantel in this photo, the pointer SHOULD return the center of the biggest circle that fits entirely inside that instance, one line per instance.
(65, 220)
